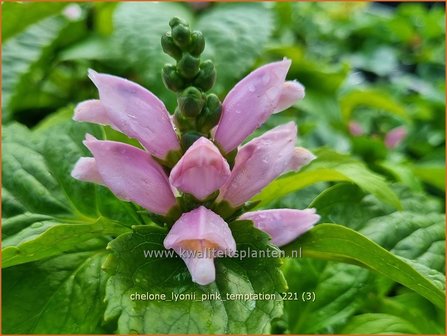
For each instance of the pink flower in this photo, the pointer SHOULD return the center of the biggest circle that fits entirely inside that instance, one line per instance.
(355, 128)
(262, 160)
(132, 110)
(201, 171)
(394, 137)
(249, 104)
(195, 237)
(283, 225)
(130, 173)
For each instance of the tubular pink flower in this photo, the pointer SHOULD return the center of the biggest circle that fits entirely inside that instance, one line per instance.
(249, 104)
(283, 225)
(131, 109)
(394, 137)
(201, 171)
(258, 163)
(130, 173)
(195, 236)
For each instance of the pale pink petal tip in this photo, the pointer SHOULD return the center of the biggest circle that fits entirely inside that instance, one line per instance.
(292, 91)
(92, 74)
(85, 170)
(201, 171)
(300, 158)
(283, 225)
(203, 271)
(88, 138)
(91, 111)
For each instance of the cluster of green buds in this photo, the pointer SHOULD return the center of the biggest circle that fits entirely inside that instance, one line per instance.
(197, 112)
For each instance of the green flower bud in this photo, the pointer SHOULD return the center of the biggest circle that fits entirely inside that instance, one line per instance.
(189, 138)
(172, 79)
(191, 102)
(181, 35)
(169, 47)
(176, 21)
(210, 115)
(188, 66)
(206, 77)
(182, 122)
(197, 43)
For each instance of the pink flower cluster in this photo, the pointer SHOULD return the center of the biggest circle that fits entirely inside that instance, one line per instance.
(136, 175)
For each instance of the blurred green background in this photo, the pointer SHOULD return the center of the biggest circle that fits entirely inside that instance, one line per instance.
(368, 68)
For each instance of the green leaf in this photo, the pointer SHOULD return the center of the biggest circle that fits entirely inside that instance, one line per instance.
(382, 60)
(419, 237)
(335, 242)
(415, 309)
(432, 174)
(417, 234)
(402, 173)
(17, 16)
(340, 290)
(379, 324)
(61, 295)
(48, 211)
(133, 273)
(347, 203)
(329, 166)
(45, 237)
(235, 34)
(26, 51)
(370, 98)
(91, 48)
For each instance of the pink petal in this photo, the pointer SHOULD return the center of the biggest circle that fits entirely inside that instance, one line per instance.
(283, 225)
(258, 163)
(292, 91)
(300, 158)
(201, 224)
(394, 137)
(195, 236)
(85, 170)
(132, 174)
(137, 113)
(201, 171)
(202, 270)
(91, 111)
(249, 104)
